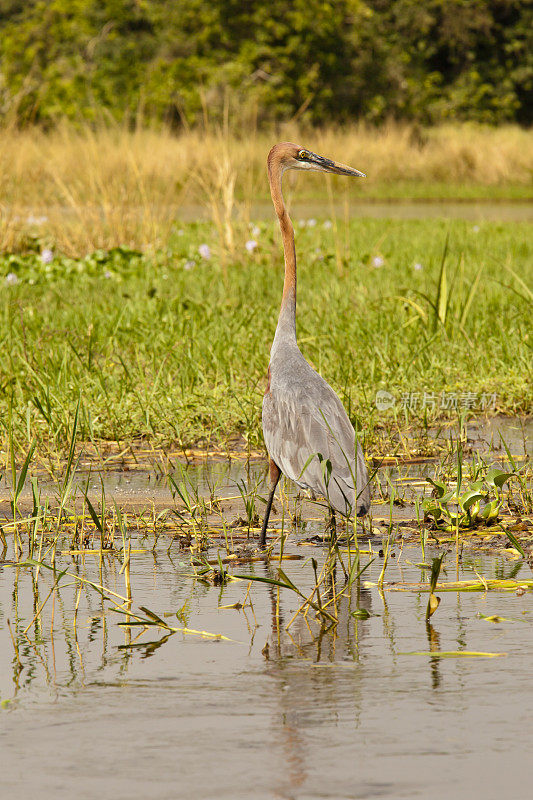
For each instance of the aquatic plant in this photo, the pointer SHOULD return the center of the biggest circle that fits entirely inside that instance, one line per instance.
(467, 506)
(249, 496)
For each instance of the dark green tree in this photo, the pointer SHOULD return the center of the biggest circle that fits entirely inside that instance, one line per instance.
(324, 60)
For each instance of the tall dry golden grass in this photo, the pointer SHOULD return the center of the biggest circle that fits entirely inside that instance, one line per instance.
(85, 189)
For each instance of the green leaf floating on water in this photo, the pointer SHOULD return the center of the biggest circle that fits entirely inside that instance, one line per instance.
(361, 613)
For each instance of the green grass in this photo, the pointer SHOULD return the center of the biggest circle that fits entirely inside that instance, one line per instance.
(180, 355)
(414, 189)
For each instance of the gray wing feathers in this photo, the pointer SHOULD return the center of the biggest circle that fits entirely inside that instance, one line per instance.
(312, 421)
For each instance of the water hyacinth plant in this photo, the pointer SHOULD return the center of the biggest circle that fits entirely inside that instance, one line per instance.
(478, 504)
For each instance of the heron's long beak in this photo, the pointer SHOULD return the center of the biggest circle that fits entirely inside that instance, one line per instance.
(326, 165)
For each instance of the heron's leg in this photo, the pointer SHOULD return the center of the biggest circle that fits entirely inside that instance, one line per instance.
(331, 526)
(274, 473)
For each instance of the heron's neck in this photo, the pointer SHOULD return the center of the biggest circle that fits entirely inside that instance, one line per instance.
(286, 328)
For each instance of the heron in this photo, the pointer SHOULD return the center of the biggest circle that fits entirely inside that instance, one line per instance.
(307, 432)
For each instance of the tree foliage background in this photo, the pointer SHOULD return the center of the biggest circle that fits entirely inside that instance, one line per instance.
(326, 61)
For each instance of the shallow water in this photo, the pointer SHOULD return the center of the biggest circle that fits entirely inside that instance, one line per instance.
(395, 208)
(220, 477)
(342, 715)
(470, 210)
(88, 709)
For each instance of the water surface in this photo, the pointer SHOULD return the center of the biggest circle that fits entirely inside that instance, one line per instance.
(469, 210)
(91, 708)
(338, 714)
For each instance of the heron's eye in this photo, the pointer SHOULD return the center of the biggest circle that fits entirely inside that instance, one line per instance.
(303, 154)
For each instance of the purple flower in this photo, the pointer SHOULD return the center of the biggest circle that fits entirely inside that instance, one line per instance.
(250, 245)
(311, 222)
(189, 264)
(327, 224)
(255, 230)
(11, 279)
(205, 251)
(418, 266)
(47, 256)
(378, 261)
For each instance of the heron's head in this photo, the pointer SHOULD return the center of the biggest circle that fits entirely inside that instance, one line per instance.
(291, 156)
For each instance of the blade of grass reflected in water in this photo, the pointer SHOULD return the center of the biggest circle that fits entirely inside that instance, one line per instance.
(453, 654)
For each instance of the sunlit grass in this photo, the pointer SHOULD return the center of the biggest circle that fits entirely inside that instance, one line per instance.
(171, 346)
(81, 189)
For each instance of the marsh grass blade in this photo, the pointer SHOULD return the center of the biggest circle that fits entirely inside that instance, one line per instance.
(352, 577)
(70, 469)
(433, 600)
(514, 541)
(98, 522)
(18, 484)
(441, 305)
